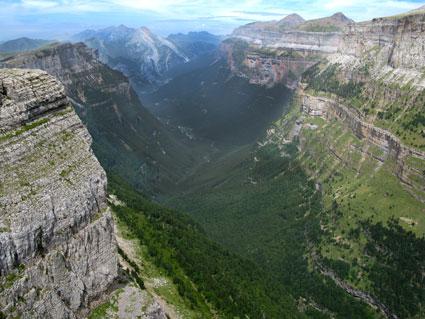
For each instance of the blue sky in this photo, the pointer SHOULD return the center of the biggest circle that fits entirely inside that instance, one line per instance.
(58, 19)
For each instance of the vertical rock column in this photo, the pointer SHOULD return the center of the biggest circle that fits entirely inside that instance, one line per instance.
(57, 246)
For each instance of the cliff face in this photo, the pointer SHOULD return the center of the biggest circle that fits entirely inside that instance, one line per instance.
(269, 67)
(391, 47)
(326, 42)
(57, 247)
(399, 40)
(379, 72)
(387, 50)
(274, 53)
(375, 85)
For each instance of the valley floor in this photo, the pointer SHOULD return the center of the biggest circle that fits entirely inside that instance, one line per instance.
(304, 207)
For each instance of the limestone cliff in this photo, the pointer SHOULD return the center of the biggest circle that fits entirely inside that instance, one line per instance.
(375, 85)
(398, 40)
(57, 247)
(279, 52)
(268, 67)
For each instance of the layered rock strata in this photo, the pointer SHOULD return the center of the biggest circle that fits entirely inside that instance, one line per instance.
(280, 55)
(57, 246)
(390, 50)
(326, 42)
(330, 109)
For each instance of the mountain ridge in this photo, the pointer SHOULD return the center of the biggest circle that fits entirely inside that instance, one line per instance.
(22, 44)
(144, 57)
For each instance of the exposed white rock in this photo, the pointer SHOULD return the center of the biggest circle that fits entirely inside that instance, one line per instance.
(392, 47)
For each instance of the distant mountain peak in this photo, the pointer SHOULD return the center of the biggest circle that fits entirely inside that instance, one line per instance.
(291, 20)
(293, 17)
(120, 27)
(146, 30)
(341, 17)
(333, 23)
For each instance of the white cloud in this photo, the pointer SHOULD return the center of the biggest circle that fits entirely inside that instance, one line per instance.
(39, 4)
(367, 5)
(336, 4)
(184, 9)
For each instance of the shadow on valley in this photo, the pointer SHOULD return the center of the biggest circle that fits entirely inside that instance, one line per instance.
(216, 105)
(262, 205)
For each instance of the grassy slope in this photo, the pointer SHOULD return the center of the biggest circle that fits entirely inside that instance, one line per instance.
(357, 190)
(156, 282)
(397, 108)
(259, 204)
(264, 207)
(204, 273)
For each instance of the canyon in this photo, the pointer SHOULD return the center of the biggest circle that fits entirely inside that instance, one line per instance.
(291, 153)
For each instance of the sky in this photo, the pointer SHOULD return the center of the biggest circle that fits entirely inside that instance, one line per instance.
(59, 19)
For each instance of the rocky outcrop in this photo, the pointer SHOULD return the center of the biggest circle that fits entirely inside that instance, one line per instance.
(399, 39)
(279, 52)
(20, 104)
(57, 247)
(267, 66)
(267, 71)
(62, 61)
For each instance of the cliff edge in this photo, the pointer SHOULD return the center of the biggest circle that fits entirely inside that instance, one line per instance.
(57, 244)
